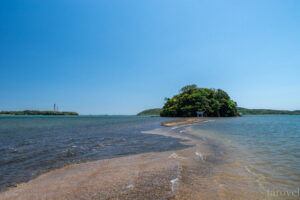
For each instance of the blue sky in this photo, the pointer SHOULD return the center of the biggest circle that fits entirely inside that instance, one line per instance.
(120, 57)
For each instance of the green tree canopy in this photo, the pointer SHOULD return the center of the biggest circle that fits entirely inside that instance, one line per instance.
(215, 103)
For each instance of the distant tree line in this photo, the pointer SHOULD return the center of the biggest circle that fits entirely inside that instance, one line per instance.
(214, 103)
(245, 111)
(36, 112)
(152, 112)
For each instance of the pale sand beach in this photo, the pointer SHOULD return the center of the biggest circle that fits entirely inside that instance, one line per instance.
(203, 171)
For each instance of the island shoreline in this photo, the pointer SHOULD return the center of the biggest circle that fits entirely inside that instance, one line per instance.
(183, 121)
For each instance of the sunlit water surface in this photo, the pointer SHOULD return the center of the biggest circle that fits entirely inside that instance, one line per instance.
(31, 145)
(268, 145)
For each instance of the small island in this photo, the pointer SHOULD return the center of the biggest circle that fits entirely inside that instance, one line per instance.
(213, 103)
(241, 111)
(37, 112)
(191, 99)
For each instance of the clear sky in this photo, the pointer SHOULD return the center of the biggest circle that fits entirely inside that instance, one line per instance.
(120, 57)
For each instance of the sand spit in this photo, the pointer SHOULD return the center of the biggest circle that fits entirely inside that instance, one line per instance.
(203, 171)
(183, 121)
(145, 176)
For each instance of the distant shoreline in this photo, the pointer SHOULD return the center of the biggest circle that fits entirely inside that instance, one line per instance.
(36, 112)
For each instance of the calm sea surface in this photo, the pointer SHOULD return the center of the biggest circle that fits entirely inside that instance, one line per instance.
(269, 146)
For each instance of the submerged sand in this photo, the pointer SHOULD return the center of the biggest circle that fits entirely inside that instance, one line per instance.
(203, 171)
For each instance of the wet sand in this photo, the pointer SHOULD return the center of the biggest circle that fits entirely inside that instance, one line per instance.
(183, 121)
(203, 171)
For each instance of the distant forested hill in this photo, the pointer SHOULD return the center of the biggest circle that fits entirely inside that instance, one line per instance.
(246, 111)
(36, 112)
(152, 112)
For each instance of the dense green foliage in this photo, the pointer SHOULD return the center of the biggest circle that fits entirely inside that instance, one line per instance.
(215, 103)
(245, 111)
(152, 112)
(36, 112)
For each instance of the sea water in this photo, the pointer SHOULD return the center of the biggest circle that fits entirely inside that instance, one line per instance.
(268, 145)
(32, 145)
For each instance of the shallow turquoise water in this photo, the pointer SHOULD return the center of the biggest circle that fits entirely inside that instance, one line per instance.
(268, 145)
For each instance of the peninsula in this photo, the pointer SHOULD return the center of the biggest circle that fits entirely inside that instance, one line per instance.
(37, 112)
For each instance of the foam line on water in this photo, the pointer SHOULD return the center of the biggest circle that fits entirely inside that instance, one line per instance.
(175, 180)
(202, 157)
(174, 155)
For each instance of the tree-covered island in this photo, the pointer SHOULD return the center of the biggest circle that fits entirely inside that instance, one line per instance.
(214, 103)
(241, 111)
